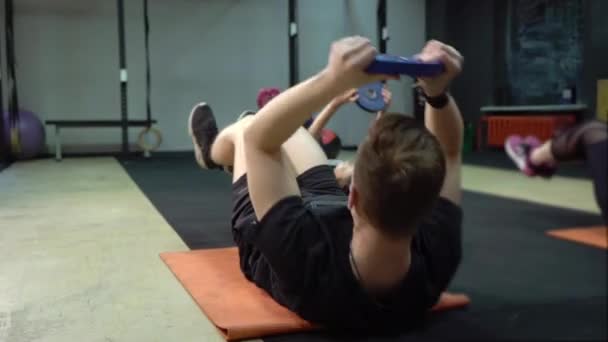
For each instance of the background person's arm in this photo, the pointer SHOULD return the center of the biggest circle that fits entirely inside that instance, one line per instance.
(321, 120)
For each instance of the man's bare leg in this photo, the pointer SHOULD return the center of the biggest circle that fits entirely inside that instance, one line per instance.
(301, 150)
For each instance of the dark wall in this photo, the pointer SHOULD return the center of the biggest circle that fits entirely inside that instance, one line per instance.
(436, 12)
(595, 50)
(477, 29)
(467, 25)
(467, 21)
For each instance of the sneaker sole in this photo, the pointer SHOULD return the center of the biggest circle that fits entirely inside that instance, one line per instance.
(198, 151)
(244, 114)
(521, 164)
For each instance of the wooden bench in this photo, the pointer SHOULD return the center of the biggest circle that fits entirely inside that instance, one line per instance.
(59, 124)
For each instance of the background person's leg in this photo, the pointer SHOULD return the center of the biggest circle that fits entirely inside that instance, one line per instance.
(596, 162)
(542, 154)
(571, 144)
(589, 142)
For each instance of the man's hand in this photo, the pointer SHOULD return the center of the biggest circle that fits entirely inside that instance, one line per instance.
(348, 59)
(348, 96)
(452, 61)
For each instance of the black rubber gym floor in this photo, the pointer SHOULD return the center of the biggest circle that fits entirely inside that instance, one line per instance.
(523, 284)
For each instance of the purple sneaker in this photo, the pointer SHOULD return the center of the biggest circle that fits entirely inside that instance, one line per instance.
(519, 152)
(532, 141)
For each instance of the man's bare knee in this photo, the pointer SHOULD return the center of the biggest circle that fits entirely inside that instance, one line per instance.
(223, 149)
(245, 121)
(304, 151)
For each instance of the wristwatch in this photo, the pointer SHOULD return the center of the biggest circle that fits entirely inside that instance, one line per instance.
(439, 101)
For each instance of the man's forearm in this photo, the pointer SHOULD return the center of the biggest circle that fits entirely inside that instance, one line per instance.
(322, 119)
(446, 124)
(282, 116)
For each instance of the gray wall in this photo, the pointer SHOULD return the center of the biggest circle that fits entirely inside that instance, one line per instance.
(214, 50)
(406, 25)
(321, 22)
(220, 51)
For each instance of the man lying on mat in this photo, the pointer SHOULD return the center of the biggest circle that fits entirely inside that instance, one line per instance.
(377, 258)
(317, 123)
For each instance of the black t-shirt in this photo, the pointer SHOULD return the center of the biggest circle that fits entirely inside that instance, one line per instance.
(300, 254)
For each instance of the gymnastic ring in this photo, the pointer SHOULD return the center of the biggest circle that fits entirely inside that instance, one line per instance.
(141, 142)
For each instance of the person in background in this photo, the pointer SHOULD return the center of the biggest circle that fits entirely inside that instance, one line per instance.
(586, 141)
(265, 95)
(317, 122)
(344, 169)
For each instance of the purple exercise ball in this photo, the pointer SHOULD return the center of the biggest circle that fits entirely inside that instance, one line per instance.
(32, 137)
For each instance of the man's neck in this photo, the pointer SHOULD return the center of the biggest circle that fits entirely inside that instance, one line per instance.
(380, 262)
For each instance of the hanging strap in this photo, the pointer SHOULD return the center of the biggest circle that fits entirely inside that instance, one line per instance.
(148, 78)
(381, 28)
(13, 102)
(1, 90)
(4, 152)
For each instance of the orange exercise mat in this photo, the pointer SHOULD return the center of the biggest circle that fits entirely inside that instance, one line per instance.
(592, 236)
(238, 308)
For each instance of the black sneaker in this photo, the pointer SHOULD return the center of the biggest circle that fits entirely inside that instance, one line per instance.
(203, 130)
(244, 114)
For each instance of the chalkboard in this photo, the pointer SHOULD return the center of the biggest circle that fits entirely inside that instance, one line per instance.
(544, 49)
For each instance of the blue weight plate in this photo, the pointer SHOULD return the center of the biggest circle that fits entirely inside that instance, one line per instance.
(370, 97)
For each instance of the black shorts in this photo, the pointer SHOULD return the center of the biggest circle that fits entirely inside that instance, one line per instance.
(438, 241)
(317, 181)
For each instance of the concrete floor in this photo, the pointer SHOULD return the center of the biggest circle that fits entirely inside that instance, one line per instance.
(79, 247)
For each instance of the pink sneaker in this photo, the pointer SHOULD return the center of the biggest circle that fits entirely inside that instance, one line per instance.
(519, 151)
(532, 141)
